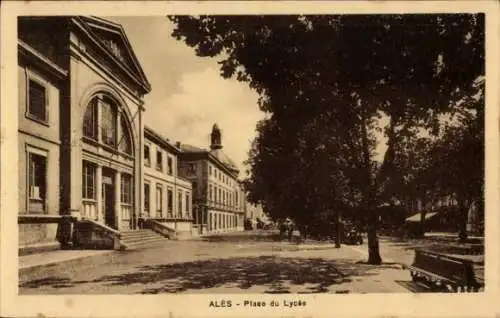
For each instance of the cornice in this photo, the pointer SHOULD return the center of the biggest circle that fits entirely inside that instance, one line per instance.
(26, 51)
(104, 51)
(89, 60)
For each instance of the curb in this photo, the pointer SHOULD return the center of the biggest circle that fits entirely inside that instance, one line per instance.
(55, 262)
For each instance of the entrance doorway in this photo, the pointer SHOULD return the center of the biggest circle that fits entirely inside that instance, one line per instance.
(108, 198)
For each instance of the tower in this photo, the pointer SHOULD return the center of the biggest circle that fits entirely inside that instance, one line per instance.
(215, 138)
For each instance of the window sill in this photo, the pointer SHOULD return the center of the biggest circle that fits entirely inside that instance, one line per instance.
(44, 122)
(106, 147)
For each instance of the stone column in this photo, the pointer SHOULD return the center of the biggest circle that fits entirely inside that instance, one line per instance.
(118, 206)
(98, 116)
(98, 187)
(118, 128)
(73, 148)
(139, 167)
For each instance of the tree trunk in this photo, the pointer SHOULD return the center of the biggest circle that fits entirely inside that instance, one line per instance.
(369, 195)
(337, 229)
(462, 219)
(373, 246)
(421, 230)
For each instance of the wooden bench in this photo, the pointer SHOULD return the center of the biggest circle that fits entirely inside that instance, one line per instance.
(444, 272)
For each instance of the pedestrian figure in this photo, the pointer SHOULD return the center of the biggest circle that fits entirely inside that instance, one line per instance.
(290, 232)
(140, 221)
(283, 230)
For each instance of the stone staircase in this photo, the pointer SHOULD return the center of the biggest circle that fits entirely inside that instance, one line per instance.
(137, 239)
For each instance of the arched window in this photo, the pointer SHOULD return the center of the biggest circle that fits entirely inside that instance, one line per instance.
(90, 120)
(125, 142)
(100, 123)
(108, 123)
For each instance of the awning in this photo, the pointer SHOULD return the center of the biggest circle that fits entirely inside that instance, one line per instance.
(417, 217)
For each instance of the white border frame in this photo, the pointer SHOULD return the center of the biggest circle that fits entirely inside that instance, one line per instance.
(432, 305)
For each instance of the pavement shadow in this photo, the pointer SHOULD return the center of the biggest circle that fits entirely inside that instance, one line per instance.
(275, 274)
(53, 281)
(270, 236)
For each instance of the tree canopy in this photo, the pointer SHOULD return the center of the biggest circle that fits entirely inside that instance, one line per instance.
(326, 81)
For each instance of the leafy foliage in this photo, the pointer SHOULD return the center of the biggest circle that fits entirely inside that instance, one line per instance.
(325, 81)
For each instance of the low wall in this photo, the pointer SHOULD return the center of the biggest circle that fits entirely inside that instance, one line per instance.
(35, 234)
(89, 237)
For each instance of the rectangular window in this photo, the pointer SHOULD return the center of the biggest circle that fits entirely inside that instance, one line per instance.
(210, 194)
(179, 203)
(220, 195)
(170, 164)
(195, 188)
(147, 157)
(37, 175)
(146, 197)
(159, 200)
(159, 160)
(170, 201)
(209, 170)
(188, 206)
(88, 181)
(191, 167)
(37, 101)
(126, 189)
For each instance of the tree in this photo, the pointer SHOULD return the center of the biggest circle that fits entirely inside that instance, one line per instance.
(458, 158)
(351, 69)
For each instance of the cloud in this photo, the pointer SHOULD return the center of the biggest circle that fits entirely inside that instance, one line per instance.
(188, 95)
(204, 98)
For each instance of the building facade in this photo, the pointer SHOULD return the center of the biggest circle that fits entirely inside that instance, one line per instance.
(218, 197)
(82, 137)
(167, 196)
(85, 155)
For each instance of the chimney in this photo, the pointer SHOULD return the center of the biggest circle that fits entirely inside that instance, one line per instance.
(178, 144)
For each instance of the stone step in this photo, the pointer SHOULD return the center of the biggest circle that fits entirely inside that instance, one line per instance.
(143, 239)
(137, 234)
(134, 239)
(144, 244)
(128, 232)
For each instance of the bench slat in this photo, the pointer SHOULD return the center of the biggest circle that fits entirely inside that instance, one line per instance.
(446, 269)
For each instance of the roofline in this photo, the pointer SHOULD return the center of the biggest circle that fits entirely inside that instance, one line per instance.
(161, 140)
(146, 84)
(212, 158)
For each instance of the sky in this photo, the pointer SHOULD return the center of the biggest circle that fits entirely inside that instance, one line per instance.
(188, 95)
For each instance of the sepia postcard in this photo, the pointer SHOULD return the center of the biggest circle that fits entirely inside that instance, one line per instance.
(250, 158)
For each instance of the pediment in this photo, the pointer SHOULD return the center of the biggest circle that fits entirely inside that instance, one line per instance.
(113, 38)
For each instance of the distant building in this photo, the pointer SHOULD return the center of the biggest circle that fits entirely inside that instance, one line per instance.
(218, 197)
(255, 212)
(167, 196)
